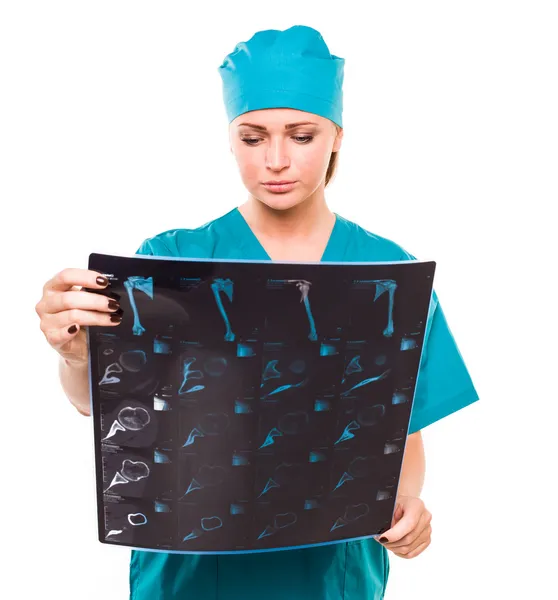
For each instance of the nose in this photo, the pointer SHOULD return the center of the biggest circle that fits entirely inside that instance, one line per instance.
(276, 157)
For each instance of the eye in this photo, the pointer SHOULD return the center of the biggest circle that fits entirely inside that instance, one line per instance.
(304, 139)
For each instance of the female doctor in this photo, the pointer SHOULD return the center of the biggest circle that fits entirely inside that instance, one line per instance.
(283, 96)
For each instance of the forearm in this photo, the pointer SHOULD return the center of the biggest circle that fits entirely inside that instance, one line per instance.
(75, 383)
(413, 468)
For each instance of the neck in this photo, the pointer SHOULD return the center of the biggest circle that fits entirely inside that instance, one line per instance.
(299, 222)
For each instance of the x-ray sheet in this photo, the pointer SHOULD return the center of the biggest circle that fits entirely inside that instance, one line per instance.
(252, 406)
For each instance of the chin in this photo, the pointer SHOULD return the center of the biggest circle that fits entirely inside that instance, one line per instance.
(280, 201)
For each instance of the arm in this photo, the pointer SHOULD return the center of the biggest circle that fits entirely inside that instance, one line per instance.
(410, 527)
(74, 375)
(74, 378)
(413, 467)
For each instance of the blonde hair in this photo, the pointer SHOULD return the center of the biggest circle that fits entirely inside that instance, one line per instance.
(333, 160)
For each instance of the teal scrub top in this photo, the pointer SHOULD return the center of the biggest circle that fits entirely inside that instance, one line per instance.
(355, 570)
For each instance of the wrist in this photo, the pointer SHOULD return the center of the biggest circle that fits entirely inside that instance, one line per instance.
(76, 365)
(85, 411)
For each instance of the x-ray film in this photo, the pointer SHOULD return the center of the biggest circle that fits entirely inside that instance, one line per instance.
(249, 406)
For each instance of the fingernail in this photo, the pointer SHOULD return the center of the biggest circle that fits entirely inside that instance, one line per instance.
(383, 539)
(102, 280)
(116, 318)
(72, 329)
(113, 304)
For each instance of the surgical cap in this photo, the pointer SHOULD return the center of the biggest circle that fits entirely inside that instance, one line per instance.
(284, 69)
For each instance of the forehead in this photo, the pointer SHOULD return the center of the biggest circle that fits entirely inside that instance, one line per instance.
(276, 118)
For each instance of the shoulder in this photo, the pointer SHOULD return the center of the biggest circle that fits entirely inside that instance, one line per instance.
(198, 242)
(366, 245)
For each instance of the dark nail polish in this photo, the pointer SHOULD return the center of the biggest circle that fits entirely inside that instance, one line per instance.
(102, 280)
(383, 539)
(72, 329)
(116, 318)
(113, 305)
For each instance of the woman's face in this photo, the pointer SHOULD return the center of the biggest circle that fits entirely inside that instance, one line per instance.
(283, 144)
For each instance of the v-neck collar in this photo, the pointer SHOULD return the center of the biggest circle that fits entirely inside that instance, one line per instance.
(254, 250)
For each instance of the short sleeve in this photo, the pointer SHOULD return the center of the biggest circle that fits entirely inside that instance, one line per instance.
(145, 248)
(170, 243)
(444, 384)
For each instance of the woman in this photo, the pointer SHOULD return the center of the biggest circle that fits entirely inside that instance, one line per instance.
(283, 96)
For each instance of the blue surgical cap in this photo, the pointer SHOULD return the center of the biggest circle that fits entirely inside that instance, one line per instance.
(284, 69)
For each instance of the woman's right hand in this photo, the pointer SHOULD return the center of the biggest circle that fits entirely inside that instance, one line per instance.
(65, 309)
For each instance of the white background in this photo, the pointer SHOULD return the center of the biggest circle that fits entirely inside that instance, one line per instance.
(112, 129)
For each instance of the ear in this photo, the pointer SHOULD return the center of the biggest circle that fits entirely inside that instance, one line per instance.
(337, 142)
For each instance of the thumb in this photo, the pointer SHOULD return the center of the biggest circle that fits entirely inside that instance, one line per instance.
(406, 524)
(62, 338)
(397, 514)
(405, 521)
(72, 330)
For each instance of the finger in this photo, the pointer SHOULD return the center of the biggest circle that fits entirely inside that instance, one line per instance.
(57, 327)
(415, 549)
(83, 318)
(58, 337)
(422, 536)
(403, 527)
(62, 301)
(421, 548)
(67, 278)
(410, 537)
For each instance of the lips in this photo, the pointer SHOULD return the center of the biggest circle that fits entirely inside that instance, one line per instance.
(280, 187)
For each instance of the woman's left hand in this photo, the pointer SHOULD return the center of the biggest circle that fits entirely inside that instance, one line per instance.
(410, 528)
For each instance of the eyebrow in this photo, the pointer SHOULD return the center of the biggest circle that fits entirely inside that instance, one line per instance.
(288, 126)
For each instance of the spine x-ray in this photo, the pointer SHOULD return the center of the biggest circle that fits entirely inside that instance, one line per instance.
(249, 406)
